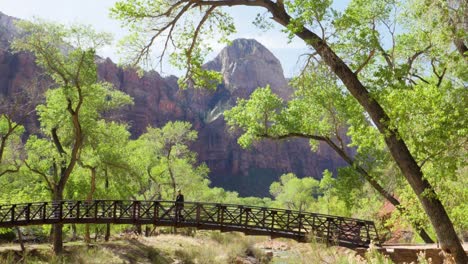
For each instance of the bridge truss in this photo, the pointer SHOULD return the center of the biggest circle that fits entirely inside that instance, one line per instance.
(302, 226)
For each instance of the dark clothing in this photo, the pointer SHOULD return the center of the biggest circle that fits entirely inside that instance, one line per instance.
(179, 206)
(180, 199)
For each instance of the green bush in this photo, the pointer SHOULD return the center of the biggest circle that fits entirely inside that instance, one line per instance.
(7, 236)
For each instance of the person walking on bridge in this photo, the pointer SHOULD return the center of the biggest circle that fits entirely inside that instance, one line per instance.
(179, 205)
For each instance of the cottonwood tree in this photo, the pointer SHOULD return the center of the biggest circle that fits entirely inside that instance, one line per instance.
(318, 112)
(294, 193)
(308, 194)
(350, 43)
(171, 164)
(68, 56)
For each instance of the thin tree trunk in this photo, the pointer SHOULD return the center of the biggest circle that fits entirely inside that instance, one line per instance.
(106, 186)
(89, 198)
(20, 239)
(171, 174)
(74, 232)
(147, 231)
(58, 228)
(107, 236)
(96, 234)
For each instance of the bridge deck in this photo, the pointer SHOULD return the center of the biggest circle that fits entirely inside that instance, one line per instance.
(348, 232)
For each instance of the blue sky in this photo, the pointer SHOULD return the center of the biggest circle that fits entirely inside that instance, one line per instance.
(96, 13)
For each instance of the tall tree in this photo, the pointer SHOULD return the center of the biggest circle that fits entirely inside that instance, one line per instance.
(68, 56)
(330, 34)
(318, 112)
(171, 162)
(294, 193)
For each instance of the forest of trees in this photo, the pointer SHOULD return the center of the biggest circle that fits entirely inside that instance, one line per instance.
(389, 75)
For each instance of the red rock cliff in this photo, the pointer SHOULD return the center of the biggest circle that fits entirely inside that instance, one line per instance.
(245, 66)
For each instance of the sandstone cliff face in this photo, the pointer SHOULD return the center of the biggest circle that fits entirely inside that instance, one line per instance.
(245, 66)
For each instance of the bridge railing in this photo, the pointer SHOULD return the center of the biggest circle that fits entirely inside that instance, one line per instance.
(226, 217)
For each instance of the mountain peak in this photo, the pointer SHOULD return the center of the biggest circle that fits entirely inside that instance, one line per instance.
(244, 48)
(7, 30)
(246, 65)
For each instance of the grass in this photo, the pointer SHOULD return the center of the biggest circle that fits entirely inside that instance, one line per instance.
(203, 247)
(123, 251)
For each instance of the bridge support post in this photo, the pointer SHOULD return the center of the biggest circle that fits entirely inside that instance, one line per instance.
(28, 213)
(136, 211)
(368, 240)
(273, 213)
(198, 214)
(222, 208)
(13, 207)
(247, 211)
(264, 216)
(114, 211)
(300, 224)
(78, 203)
(44, 211)
(155, 212)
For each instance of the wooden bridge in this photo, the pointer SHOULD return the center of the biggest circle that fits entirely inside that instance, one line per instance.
(347, 232)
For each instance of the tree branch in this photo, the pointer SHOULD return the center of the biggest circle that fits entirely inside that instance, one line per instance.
(369, 57)
(44, 176)
(56, 141)
(9, 171)
(194, 40)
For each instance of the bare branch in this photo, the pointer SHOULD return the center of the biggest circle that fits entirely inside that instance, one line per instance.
(170, 25)
(419, 77)
(194, 40)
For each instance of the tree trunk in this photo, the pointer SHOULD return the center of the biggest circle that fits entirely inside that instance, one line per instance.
(96, 234)
(106, 186)
(89, 198)
(389, 197)
(171, 174)
(426, 194)
(74, 233)
(58, 228)
(433, 207)
(87, 236)
(147, 231)
(107, 236)
(58, 241)
(20, 239)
